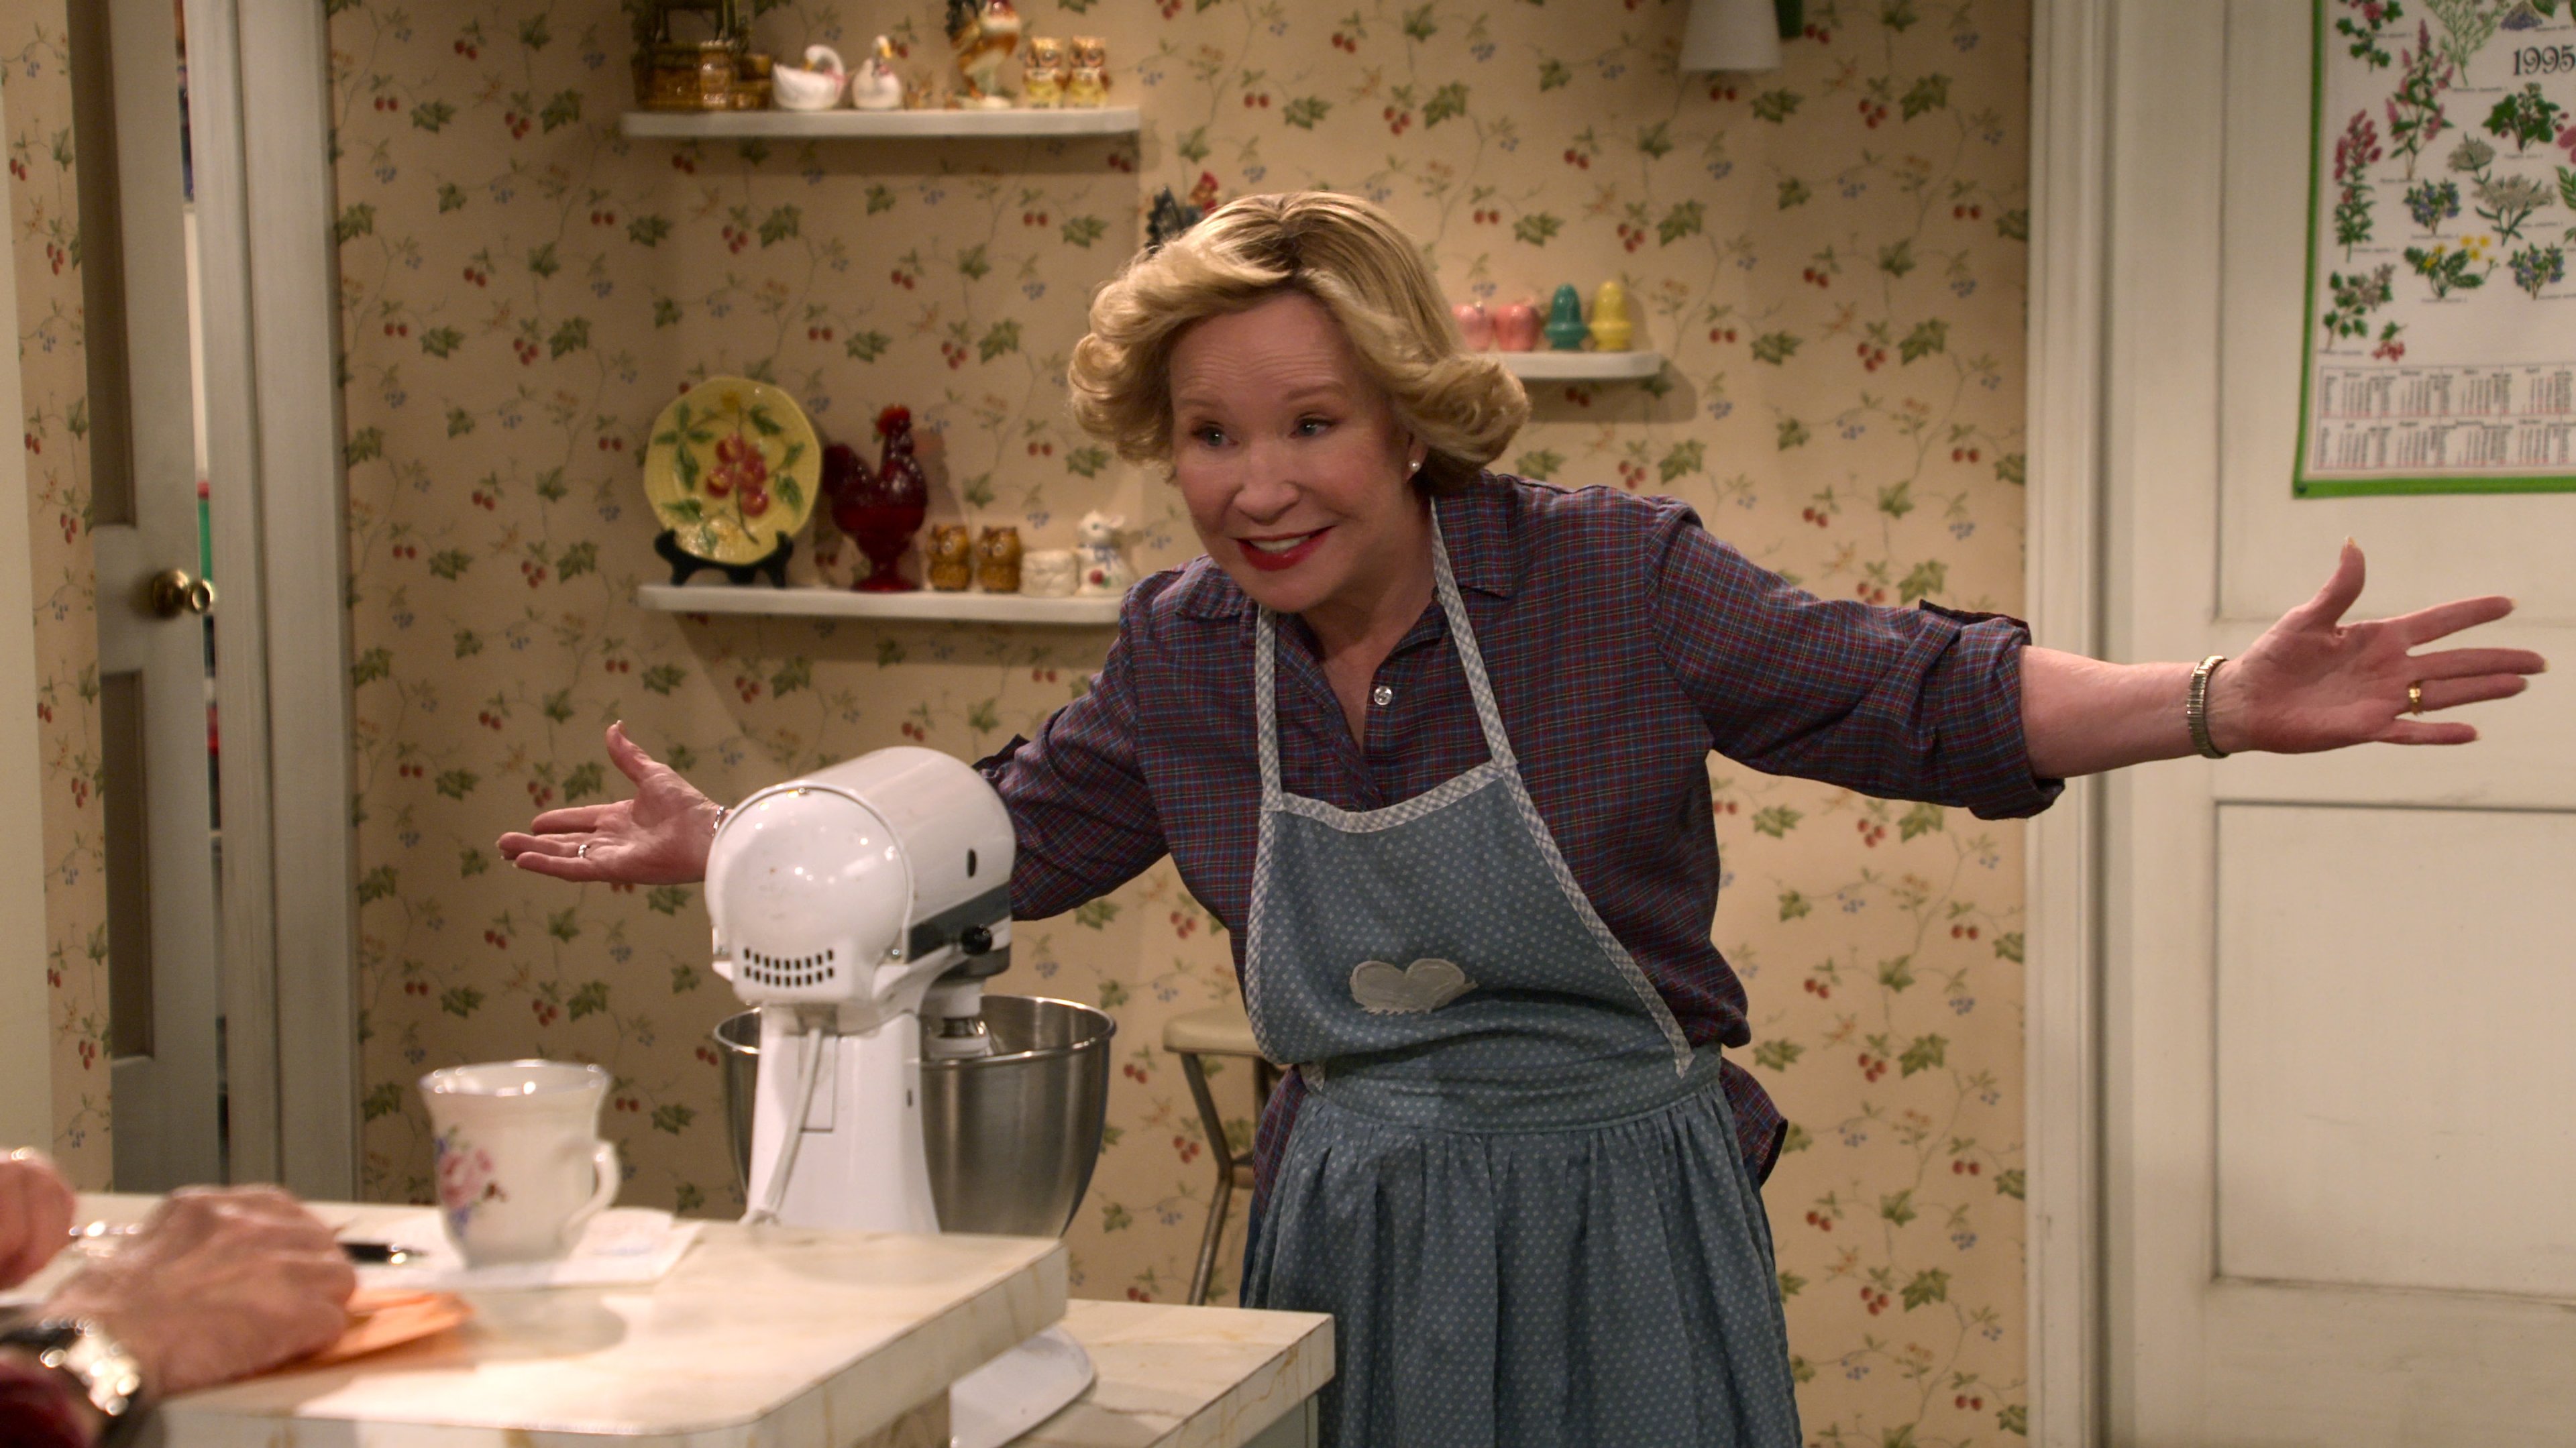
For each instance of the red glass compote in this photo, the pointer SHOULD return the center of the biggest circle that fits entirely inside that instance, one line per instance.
(883, 509)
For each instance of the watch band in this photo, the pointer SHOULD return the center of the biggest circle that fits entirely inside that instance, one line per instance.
(97, 1368)
(2195, 707)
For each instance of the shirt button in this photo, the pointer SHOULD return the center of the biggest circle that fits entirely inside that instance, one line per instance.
(1382, 696)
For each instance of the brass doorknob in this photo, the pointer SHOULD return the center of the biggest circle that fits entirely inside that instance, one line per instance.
(177, 592)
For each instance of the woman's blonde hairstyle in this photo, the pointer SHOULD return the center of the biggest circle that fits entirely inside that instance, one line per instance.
(1347, 255)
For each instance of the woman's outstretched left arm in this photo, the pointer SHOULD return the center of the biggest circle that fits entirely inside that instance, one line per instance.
(2312, 682)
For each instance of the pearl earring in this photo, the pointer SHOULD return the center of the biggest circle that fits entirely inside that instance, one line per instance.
(1413, 467)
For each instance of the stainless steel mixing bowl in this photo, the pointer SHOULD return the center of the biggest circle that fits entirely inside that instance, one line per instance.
(1011, 1137)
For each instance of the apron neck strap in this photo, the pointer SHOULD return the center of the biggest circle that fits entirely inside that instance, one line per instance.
(1462, 635)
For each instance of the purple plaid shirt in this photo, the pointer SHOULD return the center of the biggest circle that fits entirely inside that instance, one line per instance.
(1624, 644)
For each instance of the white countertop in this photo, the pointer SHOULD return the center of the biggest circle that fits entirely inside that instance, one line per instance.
(1187, 1377)
(759, 1336)
(774, 1337)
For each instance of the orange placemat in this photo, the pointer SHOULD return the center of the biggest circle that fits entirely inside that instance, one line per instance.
(379, 1319)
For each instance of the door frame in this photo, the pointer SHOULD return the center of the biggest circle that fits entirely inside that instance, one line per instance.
(26, 1002)
(2073, 174)
(266, 216)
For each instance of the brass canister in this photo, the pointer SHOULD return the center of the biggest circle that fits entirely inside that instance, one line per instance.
(716, 70)
(752, 83)
(666, 78)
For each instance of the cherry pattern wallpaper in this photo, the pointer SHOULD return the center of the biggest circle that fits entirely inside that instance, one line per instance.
(45, 250)
(1831, 256)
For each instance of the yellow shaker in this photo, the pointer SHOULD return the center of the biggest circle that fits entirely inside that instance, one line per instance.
(1612, 331)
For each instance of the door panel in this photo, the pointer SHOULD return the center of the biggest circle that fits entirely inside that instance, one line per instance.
(167, 1081)
(2359, 952)
(2336, 993)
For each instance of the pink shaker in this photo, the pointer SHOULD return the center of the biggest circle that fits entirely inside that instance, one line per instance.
(1475, 325)
(1516, 327)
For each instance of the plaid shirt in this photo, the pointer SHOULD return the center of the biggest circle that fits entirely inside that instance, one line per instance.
(1624, 644)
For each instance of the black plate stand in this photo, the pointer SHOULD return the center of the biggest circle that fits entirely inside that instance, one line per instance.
(685, 565)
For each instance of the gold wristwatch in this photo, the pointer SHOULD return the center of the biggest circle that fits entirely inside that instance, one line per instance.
(95, 1366)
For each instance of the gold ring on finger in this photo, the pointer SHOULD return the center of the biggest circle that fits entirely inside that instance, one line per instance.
(2415, 697)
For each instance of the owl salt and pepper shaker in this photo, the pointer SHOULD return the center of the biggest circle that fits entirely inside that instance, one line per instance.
(1087, 82)
(997, 560)
(950, 559)
(1044, 72)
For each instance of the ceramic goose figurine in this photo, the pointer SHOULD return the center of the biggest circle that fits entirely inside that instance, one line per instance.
(878, 86)
(814, 86)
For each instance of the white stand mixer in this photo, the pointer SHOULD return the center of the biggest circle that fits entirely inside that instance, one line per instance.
(840, 900)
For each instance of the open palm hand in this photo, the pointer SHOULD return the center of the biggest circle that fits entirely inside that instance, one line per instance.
(660, 837)
(2313, 682)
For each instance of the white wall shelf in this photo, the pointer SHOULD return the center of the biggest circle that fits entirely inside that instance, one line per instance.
(927, 604)
(866, 125)
(1582, 366)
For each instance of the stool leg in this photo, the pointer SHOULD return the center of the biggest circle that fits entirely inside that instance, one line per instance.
(1223, 1156)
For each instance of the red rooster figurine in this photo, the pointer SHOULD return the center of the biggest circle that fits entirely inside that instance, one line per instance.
(880, 510)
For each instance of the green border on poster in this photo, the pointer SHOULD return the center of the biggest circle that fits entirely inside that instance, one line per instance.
(2301, 485)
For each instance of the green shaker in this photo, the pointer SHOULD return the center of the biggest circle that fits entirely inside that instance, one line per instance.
(1565, 329)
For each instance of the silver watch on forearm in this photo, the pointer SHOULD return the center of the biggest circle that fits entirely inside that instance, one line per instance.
(96, 1367)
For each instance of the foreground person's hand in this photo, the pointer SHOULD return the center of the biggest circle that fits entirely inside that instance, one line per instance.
(660, 837)
(217, 1284)
(2313, 682)
(36, 1209)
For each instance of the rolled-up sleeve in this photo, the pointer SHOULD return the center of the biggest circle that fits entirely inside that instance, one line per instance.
(1921, 703)
(1081, 812)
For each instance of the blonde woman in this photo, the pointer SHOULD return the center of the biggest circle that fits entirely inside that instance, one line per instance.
(1432, 741)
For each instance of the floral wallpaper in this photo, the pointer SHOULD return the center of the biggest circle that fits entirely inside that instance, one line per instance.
(1831, 256)
(45, 250)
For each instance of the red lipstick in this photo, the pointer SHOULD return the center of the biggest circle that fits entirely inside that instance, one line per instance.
(1269, 562)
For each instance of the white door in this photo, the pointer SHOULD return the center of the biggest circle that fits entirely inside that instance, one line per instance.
(164, 937)
(2339, 999)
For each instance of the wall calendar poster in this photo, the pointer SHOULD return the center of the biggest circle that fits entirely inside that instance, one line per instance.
(2441, 336)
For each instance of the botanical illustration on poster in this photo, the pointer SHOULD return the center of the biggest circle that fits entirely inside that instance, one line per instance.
(2441, 336)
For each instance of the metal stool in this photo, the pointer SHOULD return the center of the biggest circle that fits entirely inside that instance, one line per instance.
(1218, 1031)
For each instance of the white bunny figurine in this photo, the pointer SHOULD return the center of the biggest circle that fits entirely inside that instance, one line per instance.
(1105, 573)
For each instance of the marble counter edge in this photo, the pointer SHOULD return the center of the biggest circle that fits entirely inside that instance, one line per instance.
(1187, 1377)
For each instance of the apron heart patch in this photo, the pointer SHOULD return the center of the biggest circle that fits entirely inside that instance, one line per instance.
(1425, 985)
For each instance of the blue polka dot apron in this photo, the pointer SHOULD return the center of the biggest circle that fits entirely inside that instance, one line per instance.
(1514, 1183)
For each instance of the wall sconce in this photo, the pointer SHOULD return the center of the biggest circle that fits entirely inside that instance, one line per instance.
(1738, 35)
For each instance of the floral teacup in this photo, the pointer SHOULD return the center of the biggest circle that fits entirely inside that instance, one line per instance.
(521, 1168)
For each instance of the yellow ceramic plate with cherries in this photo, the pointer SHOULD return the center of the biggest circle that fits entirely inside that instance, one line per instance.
(732, 468)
